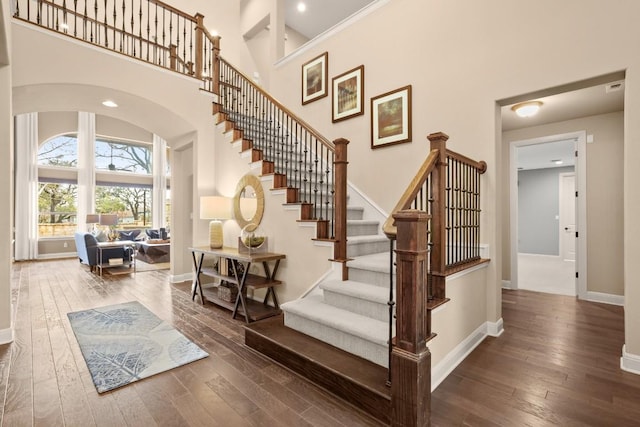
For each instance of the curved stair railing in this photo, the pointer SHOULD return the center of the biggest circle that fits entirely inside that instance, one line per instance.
(312, 169)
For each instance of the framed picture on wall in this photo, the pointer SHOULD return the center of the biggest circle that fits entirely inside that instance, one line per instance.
(347, 95)
(391, 117)
(314, 79)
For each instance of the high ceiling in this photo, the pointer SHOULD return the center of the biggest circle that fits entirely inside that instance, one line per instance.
(320, 14)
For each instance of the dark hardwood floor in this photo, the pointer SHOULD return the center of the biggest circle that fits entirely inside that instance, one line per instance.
(556, 364)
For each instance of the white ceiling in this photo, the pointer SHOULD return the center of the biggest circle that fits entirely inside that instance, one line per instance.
(569, 105)
(320, 14)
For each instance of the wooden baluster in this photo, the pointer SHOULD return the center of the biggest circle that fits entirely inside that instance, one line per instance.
(410, 357)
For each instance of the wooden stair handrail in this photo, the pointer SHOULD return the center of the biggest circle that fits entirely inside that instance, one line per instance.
(389, 228)
(330, 145)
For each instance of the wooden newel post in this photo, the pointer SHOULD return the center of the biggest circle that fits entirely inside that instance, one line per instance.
(340, 163)
(410, 357)
(438, 224)
(199, 44)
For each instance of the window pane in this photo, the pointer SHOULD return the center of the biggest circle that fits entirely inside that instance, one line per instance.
(56, 209)
(132, 204)
(59, 151)
(123, 157)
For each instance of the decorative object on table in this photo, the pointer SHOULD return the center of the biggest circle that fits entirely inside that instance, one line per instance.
(314, 78)
(110, 220)
(92, 220)
(347, 96)
(248, 201)
(391, 118)
(215, 208)
(252, 240)
(124, 343)
(228, 292)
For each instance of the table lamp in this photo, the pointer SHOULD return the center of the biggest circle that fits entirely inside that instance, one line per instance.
(110, 220)
(92, 219)
(215, 208)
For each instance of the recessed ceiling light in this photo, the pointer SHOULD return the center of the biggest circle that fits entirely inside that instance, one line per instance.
(557, 162)
(302, 7)
(527, 109)
(109, 103)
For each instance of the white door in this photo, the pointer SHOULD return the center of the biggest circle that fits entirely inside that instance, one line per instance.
(568, 216)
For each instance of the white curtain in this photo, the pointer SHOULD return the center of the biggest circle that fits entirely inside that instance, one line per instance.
(86, 170)
(26, 187)
(159, 180)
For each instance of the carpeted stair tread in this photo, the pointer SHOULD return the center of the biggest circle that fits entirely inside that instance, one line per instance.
(359, 290)
(378, 262)
(312, 307)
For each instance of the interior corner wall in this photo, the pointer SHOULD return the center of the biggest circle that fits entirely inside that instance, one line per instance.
(605, 200)
(6, 182)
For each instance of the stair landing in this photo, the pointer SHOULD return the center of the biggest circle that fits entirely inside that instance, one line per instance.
(357, 381)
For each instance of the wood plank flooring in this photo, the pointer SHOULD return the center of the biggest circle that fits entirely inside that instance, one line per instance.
(557, 363)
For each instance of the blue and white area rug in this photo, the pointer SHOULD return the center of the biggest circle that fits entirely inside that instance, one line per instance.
(124, 343)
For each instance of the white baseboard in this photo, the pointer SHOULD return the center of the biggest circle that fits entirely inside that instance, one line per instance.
(462, 350)
(629, 362)
(495, 329)
(6, 336)
(59, 255)
(605, 298)
(178, 278)
(506, 284)
(456, 356)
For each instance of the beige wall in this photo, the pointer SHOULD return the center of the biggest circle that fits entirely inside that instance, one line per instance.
(605, 232)
(6, 183)
(462, 58)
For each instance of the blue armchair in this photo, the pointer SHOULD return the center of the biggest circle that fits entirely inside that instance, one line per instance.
(86, 246)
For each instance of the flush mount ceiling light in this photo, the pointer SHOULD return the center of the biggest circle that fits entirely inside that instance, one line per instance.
(109, 103)
(527, 109)
(302, 7)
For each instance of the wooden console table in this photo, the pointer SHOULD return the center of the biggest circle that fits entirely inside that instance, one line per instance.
(241, 278)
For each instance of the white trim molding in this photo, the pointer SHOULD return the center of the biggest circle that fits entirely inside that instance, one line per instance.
(495, 329)
(178, 278)
(630, 362)
(506, 284)
(605, 298)
(462, 350)
(6, 335)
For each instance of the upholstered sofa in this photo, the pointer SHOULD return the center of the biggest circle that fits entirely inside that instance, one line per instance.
(87, 248)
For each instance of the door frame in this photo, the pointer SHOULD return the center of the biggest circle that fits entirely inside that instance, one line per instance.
(581, 204)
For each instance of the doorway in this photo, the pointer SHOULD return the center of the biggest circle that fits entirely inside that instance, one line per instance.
(546, 216)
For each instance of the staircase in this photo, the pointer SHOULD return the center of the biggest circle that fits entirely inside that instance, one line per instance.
(352, 315)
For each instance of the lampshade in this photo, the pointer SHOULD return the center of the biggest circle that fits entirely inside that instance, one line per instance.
(215, 207)
(108, 219)
(92, 219)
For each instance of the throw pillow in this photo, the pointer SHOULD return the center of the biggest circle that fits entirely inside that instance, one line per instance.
(101, 236)
(128, 234)
(152, 234)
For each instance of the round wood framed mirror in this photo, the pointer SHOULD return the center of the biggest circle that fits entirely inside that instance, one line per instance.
(248, 202)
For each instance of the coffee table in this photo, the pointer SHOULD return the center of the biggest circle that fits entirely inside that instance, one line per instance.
(153, 253)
